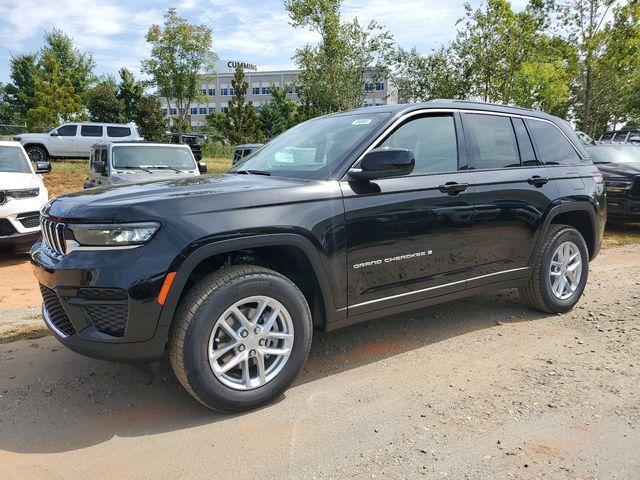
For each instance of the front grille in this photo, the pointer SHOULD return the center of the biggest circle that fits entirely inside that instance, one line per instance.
(29, 220)
(108, 318)
(6, 228)
(53, 234)
(95, 293)
(56, 312)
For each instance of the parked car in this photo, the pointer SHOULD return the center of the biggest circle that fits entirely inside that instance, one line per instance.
(341, 219)
(624, 135)
(192, 140)
(584, 138)
(116, 163)
(242, 151)
(73, 140)
(22, 194)
(620, 166)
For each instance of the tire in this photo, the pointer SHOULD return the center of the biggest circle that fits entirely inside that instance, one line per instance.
(198, 321)
(37, 153)
(539, 293)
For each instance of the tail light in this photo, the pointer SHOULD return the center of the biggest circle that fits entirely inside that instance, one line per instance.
(597, 177)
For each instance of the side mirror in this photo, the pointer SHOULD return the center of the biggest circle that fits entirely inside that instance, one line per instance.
(99, 167)
(384, 163)
(202, 167)
(43, 167)
(54, 134)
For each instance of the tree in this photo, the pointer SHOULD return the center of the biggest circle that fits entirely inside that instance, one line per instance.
(20, 93)
(217, 126)
(55, 100)
(180, 52)
(72, 64)
(150, 119)
(103, 103)
(333, 71)
(130, 93)
(243, 123)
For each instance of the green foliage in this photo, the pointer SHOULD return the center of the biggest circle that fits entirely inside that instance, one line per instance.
(103, 103)
(129, 92)
(55, 100)
(150, 119)
(21, 92)
(333, 70)
(278, 114)
(243, 125)
(180, 52)
(216, 126)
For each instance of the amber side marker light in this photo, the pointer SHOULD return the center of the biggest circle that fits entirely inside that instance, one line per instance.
(166, 286)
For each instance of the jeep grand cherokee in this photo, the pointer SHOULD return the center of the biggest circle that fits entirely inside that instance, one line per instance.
(339, 220)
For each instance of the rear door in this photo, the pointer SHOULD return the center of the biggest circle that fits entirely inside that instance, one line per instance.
(89, 134)
(512, 193)
(408, 237)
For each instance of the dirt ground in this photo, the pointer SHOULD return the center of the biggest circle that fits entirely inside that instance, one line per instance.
(480, 389)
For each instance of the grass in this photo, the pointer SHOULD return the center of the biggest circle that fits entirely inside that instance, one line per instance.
(69, 176)
(24, 332)
(619, 233)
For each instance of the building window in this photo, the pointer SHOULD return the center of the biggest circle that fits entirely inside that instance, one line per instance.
(232, 91)
(224, 91)
(256, 90)
(194, 111)
(212, 91)
(202, 110)
(203, 91)
(225, 109)
(164, 111)
(369, 87)
(212, 109)
(174, 111)
(297, 89)
(266, 91)
(380, 86)
(182, 110)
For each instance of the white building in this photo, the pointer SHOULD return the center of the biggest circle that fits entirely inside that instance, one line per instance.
(218, 90)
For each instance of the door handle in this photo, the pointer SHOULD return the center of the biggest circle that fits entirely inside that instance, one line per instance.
(453, 188)
(537, 181)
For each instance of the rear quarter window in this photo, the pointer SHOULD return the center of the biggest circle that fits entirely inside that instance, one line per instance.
(118, 132)
(552, 146)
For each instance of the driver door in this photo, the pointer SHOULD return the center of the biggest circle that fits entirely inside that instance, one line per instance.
(65, 144)
(408, 237)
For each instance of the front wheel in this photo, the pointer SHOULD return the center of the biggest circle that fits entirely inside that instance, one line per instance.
(242, 336)
(560, 271)
(37, 154)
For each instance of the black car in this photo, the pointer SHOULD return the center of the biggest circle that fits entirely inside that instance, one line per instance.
(341, 219)
(620, 166)
(192, 140)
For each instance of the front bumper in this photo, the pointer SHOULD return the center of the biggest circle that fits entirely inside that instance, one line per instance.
(623, 204)
(19, 220)
(101, 305)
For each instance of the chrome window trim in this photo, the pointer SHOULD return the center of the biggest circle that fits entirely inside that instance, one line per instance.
(422, 290)
(424, 111)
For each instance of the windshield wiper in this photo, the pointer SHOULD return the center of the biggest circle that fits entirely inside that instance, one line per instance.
(144, 169)
(253, 172)
(163, 167)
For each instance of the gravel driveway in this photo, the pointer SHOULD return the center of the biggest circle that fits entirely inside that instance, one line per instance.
(479, 389)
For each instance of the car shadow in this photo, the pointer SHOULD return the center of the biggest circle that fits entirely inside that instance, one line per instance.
(58, 401)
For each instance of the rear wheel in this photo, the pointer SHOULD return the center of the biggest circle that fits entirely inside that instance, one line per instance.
(37, 154)
(560, 271)
(241, 338)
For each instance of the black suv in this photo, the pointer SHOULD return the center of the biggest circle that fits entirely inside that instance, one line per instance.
(339, 220)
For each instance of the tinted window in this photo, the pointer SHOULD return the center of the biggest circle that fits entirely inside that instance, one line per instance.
(104, 156)
(552, 146)
(91, 131)
(13, 160)
(68, 131)
(491, 141)
(607, 136)
(152, 157)
(118, 131)
(433, 143)
(527, 155)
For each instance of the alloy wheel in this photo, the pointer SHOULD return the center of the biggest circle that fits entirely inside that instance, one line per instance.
(566, 270)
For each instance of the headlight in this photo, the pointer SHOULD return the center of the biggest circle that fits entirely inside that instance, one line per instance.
(618, 184)
(114, 235)
(25, 193)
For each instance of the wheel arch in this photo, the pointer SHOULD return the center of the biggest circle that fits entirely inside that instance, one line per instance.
(579, 215)
(36, 144)
(291, 250)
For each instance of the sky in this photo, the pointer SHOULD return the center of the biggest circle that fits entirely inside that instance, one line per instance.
(256, 31)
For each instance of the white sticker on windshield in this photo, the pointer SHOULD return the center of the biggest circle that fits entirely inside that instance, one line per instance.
(361, 121)
(284, 157)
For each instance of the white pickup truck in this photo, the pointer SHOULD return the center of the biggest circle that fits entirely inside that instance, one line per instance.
(74, 140)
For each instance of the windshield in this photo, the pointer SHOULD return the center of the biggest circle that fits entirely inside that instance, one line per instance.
(13, 160)
(311, 149)
(614, 154)
(153, 157)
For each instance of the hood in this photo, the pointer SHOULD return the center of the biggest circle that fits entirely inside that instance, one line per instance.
(33, 136)
(13, 180)
(624, 170)
(160, 199)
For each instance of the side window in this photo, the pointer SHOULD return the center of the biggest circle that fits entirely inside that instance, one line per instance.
(552, 146)
(432, 140)
(91, 130)
(527, 155)
(68, 131)
(117, 132)
(104, 156)
(92, 158)
(491, 141)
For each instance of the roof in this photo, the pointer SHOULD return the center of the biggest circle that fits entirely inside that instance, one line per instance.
(137, 143)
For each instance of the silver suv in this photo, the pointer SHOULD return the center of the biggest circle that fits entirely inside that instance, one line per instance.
(74, 139)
